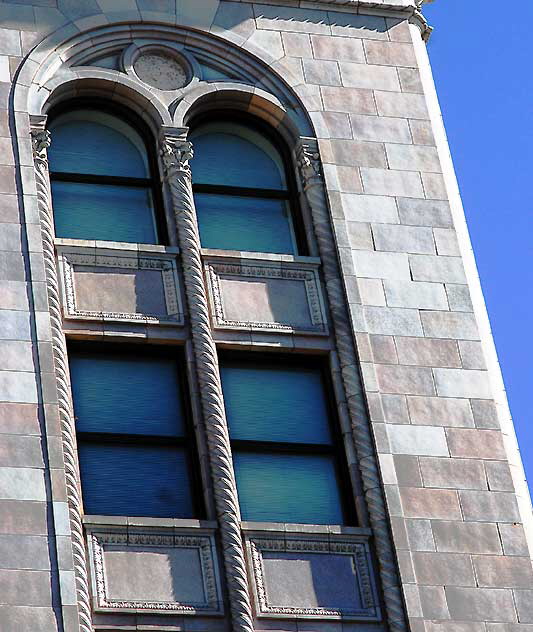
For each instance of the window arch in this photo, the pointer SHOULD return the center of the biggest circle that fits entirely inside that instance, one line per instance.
(243, 190)
(102, 176)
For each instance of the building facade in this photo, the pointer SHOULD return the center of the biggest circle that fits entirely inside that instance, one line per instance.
(247, 380)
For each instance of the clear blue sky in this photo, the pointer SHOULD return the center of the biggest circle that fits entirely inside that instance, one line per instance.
(481, 56)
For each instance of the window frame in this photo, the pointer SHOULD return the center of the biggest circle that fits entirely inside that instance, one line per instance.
(263, 359)
(152, 183)
(290, 194)
(188, 441)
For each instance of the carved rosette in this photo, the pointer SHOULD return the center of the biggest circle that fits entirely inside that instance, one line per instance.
(175, 153)
(40, 143)
(308, 160)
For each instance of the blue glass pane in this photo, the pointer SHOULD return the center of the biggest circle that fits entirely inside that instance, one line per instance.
(241, 223)
(99, 211)
(231, 160)
(275, 404)
(132, 480)
(287, 488)
(91, 147)
(123, 394)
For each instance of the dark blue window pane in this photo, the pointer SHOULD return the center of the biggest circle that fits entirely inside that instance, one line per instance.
(236, 156)
(275, 404)
(242, 223)
(102, 146)
(126, 395)
(133, 480)
(287, 488)
(99, 211)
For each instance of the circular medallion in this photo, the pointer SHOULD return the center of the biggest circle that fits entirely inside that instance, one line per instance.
(160, 71)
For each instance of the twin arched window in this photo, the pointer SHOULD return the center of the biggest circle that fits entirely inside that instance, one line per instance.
(104, 186)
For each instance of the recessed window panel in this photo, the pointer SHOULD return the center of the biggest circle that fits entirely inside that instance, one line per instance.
(288, 488)
(103, 211)
(244, 223)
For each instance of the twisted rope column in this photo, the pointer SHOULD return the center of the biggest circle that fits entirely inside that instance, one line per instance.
(40, 143)
(175, 153)
(308, 160)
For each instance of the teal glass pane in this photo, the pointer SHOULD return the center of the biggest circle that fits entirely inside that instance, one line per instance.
(287, 488)
(275, 404)
(101, 211)
(134, 480)
(236, 157)
(126, 395)
(103, 146)
(243, 223)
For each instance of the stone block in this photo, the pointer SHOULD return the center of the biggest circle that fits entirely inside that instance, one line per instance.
(358, 26)
(237, 18)
(472, 355)
(380, 265)
(410, 80)
(18, 483)
(424, 212)
(369, 77)
(498, 472)
(23, 518)
(337, 125)
(524, 605)
(417, 440)
(392, 321)
(321, 72)
(14, 325)
(453, 473)
(461, 383)
(369, 208)
(437, 269)
(413, 158)
(427, 352)
(476, 444)
(421, 133)
(503, 572)
(21, 451)
(338, 49)
(349, 179)
(298, 45)
(26, 588)
(398, 30)
(24, 552)
(459, 298)
(417, 295)
(18, 418)
(16, 355)
(480, 604)
(433, 504)
(16, 386)
(371, 292)
(401, 104)
(434, 186)
(420, 535)
(352, 100)
(291, 19)
(485, 414)
(10, 43)
(356, 153)
(433, 601)
(12, 266)
(513, 539)
(397, 238)
(389, 182)
(17, 618)
(489, 506)
(380, 129)
(440, 412)
(439, 569)
(406, 469)
(390, 53)
(395, 408)
(446, 241)
(459, 325)
(454, 626)
(466, 537)
(360, 236)
(405, 380)
(383, 349)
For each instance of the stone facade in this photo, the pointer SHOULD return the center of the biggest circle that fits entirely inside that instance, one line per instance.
(389, 294)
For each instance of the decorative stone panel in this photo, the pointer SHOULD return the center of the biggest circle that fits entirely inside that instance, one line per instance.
(276, 296)
(120, 285)
(157, 571)
(312, 576)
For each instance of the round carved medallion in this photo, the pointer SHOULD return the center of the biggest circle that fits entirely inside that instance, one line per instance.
(160, 71)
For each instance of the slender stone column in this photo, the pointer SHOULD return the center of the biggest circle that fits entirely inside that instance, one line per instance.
(176, 152)
(309, 164)
(40, 143)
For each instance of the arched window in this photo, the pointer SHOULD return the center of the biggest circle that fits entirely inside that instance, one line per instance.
(243, 195)
(102, 178)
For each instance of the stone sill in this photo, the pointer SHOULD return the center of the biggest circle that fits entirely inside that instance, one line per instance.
(294, 528)
(157, 523)
(115, 245)
(239, 255)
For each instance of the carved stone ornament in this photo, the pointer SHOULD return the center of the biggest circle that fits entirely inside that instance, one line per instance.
(300, 553)
(199, 579)
(160, 71)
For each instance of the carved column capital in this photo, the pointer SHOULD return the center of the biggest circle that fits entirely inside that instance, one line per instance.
(175, 151)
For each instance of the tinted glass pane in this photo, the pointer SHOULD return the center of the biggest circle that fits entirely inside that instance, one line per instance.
(98, 144)
(131, 480)
(287, 488)
(123, 394)
(233, 155)
(242, 223)
(275, 404)
(98, 211)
